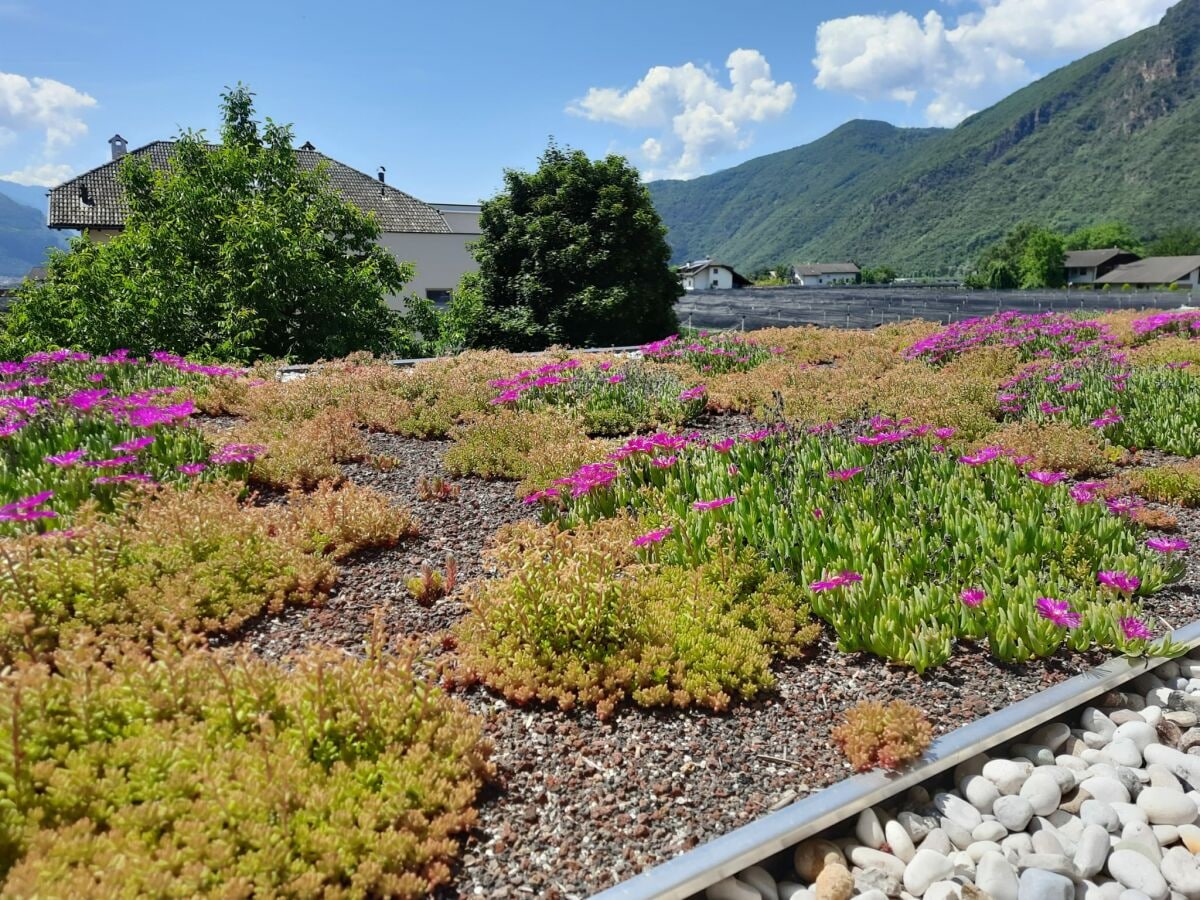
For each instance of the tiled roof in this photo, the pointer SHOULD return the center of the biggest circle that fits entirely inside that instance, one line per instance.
(1090, 259)
(828, 269)
(1152, 270)
(95, 198)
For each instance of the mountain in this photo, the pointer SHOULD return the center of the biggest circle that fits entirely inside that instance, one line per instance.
(27, 194)
(24, 237)
(1111, 136)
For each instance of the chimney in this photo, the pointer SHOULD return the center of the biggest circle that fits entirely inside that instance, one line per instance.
(118, 145)
(308, 145)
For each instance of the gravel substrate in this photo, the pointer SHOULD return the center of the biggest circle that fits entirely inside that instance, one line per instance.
(579, 805)
(1101, 805)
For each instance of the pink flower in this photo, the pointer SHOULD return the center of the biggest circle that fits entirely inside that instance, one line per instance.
(1110, 417)
(1121, 582)
(1058, 611)
(713, 504)
(652, 537)
(664, 462)
(818, 513)
(26, 509)
(732, 469)
(1123, 506)
(1050, 409)
(605, 366)
(972, 596)
(1085, 491)
(1046, 477)
(725, 445)
(842, 579)
(982, 456)
(693, 393)
(62, 460)
(96, 377)
(1071, 388)
(136, 444)
(944, 433)
(191, 468)
(844, 474)
(115, 463)
(1135, 629)
(616, 379)
(1167, 544)
(237, 453)
(541, 496)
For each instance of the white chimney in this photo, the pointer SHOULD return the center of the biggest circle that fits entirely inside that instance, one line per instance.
(118, 145)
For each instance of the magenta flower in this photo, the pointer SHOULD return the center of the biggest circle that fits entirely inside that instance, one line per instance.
(844, 474)
(1085, 491)
(86, 400)
(1167, 544)
(115, 463)
(652, 537)
(1121, 582)
(664, 462)
(26, 509)
(605, 366)
(713, 504)
(839, 580)
(541, 496)
(972, 596)
(1110, 417)
(818, 513)
(944, 434)
(1058, 611)
(693, 393)
(1123, 506)
(1046, 477)
(96, 377)
(132, 446)
(237, 453)
(1050, 409)
(1071, 388)
(1135, 629)
(732, 469)
(616, 379)
(753, 437)
(62, 460)
(982, 456)
(191, 468)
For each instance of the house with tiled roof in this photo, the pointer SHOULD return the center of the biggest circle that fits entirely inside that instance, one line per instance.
(434, 239)
(1085, 266)
(824, 274)
(1156, 271)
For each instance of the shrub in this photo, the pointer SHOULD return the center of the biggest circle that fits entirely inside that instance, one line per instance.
(532, 447)
(576, 618)
(873, 734)
(1055, 446)
(181, 561)
(436, 488)
(1174, 483)
(199, 773)
(336, 522)
(303, 453)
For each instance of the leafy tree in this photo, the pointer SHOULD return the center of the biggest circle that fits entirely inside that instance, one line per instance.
(573, 253)
(1103, 236)
(878, 275)
(1179, 241)
(233, 252)
(1042, 260)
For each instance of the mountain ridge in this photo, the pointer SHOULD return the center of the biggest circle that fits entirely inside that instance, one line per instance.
(927, 200)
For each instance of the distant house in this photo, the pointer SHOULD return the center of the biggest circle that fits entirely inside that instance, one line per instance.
(824, 274)
(433, 238)
(706, 275)
(1085, 266)
(1154, 271)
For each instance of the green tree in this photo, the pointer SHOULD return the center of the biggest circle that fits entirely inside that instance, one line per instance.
(232, 252)
(573, 253)
(878, 275)
(1104, 236)
(1042, 260)
(1179, 241)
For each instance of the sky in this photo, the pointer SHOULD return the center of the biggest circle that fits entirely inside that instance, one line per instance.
(447, 95)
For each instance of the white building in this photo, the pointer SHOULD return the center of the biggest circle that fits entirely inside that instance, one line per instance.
(706, 275)
(434, 239)
(824, 274)
(1156, 271)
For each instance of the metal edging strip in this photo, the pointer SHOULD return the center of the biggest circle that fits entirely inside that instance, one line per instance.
(729, 854)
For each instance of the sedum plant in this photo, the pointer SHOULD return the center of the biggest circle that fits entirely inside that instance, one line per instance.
(888, 736)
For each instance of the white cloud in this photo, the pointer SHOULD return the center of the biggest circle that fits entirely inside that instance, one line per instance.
(988, 51)
(45, 174)
(43, 105)
(695, 117)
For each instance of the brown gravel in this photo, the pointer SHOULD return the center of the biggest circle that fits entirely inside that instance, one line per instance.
(579, 805)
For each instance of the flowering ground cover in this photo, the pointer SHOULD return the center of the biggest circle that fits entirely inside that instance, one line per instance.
(749, 541)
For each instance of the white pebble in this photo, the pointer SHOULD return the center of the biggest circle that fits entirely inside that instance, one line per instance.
(1137, 873)
(926, 868)
(989, 831)
(1109, 790)
(898, 839)
(1182, 871)
(1091, 851)
(1036, 884)
(943, 890)
(1164, 806)
(868, 857)
(996, 877)
(869, 830)
(1042, 792)
(1096, 812)
(1008, 775)
(760, 879)
(980, 792)
(731, 889)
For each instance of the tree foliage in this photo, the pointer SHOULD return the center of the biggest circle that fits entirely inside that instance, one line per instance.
(1180, 241)
(572, 253)
(1029, 256)
(234, 252)
(1103, 236)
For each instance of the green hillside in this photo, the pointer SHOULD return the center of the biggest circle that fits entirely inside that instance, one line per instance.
(1110, 136)
(24, 237)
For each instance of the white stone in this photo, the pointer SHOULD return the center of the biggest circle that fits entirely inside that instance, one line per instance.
(1013, 812)
(1152, 714)
(1180, 764)
(1190, 835)
(957, 810)
(1008, 775)
(731, 889)
(1161, 776)
(1035, 753)
(988, 831)
(926, 868)
(1123, 751)
(1130, 812)
(1091, 719)
(980, 793)
(959, 836)
(996, 877)
(761, 880)
(1067, 761)
(1182, 871)
(1091, 851)
(1016, 844)
(1142, 734)
(868, 857)
(1096, 812)
(874, 879)
(873, 894)
(897, 838)
(977, 849)
(1036, 884)
(964, 866)
(1053, 735)
(1109, 790)
(1045, 840)
(943, 890)
(1166, 835)
(1137, 873)
(1164, 806)
(1049, 862)
(1042, 792)
(937, 841)
(789, 890)
(1139, 836)
(869, 830)
(914, 825)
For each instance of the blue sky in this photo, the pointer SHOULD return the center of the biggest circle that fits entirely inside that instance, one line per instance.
(448, 94)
